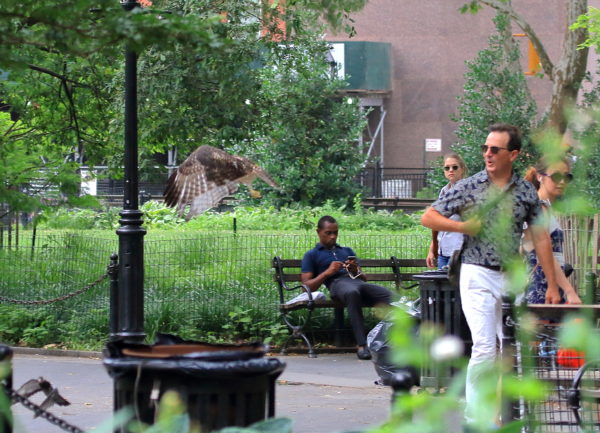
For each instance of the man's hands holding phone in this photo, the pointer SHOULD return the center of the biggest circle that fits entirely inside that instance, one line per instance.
(351, 265)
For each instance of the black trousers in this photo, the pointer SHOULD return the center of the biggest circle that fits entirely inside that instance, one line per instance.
(355, 294)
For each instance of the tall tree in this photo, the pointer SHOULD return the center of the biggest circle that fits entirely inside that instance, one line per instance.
(566, 73)
(61, 66)
(495, 91)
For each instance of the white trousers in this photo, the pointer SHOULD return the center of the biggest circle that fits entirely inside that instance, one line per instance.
(481, 292)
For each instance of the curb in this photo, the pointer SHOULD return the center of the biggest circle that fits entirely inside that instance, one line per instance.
(17, 350)
(56, 352)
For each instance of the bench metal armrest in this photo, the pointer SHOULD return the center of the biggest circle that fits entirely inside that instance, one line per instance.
(282, 286)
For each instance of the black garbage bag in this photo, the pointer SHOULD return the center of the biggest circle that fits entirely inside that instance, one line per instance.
(379, 344)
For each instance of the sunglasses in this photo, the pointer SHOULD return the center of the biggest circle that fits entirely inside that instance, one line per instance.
(451, 167)
(493, 149)
(558, 177)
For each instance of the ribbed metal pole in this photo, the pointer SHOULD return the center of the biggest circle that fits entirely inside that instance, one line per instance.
(130, 302)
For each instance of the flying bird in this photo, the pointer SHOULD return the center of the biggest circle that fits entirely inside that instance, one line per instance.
(207, 176)
(33, 386)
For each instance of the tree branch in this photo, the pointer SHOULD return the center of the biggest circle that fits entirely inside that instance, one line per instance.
(55, 75)
(505, 7)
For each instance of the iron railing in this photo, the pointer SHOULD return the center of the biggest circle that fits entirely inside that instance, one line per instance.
(393, 182)
(388, 182)
(191, 280)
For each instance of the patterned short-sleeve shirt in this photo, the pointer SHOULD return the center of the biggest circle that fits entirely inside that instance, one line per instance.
(502, 214)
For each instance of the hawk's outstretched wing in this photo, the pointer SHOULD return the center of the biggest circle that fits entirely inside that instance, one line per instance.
(207, 176)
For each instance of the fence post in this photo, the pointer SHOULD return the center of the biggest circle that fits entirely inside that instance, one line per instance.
(33, 236)
(113, 272)
(6, 419)
(10, 219)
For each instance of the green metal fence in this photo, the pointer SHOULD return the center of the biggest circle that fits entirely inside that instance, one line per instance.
(192, 280)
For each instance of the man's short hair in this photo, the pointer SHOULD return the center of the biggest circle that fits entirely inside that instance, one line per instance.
(325, 219)
(514, 140)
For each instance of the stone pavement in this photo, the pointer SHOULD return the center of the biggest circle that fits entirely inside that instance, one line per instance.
(331, 393)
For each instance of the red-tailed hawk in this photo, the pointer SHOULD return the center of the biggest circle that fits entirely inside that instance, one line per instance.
(208, 175)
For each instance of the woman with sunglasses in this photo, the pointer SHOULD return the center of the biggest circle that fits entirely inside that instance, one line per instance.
(550, 181)
(443, 244)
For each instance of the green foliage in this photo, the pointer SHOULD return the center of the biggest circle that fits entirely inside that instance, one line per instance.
(243, 325)
(60, 62)
(62, 75)
(302, 218)
(80, 219)
(264, 218)
(494, 92)
(19, 326)
(30, 182)
(309, 143)
(591, 22)
(430, 192)
(157, 215)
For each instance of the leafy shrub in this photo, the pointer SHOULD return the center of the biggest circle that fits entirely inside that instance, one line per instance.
(301, 218)
(266, 218)
(80, 219)
(24, 327)
(157, 215)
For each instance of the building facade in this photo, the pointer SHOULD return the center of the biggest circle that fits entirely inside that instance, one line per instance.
(429, 43)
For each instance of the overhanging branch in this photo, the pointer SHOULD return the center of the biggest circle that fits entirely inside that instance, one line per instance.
(61, 77)
(506, 8)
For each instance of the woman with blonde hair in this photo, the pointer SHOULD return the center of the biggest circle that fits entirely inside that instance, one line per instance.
(443, 244)
(550, 180)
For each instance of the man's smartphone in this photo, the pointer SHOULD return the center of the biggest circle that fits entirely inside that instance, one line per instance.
(351, 257)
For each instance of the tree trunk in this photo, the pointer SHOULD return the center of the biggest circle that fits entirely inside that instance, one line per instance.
(568, 73)
(570, 70)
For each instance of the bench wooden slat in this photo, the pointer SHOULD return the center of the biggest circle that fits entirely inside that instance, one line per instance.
(366, 263)
(404, 276)
(290, 263)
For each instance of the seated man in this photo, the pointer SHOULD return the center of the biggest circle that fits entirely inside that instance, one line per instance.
(336, 267)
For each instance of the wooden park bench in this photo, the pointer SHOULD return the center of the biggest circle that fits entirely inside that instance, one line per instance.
(287, 276)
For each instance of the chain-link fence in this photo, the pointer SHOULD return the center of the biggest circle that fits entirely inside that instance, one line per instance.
(192, 281)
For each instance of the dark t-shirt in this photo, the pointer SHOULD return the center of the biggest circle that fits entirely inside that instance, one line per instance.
(319, 258)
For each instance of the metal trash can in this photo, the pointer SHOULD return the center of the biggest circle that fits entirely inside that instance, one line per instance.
(440, 304)
(221, 384)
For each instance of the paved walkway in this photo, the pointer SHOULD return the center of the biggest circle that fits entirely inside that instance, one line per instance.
(331, 393)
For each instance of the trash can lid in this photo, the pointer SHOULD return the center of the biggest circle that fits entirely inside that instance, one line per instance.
(206, 352)
(196, 351)
(195, 358)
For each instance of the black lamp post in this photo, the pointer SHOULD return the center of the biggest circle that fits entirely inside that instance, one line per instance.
(129, 299)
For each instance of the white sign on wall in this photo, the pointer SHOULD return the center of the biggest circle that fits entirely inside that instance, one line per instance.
(433, 145)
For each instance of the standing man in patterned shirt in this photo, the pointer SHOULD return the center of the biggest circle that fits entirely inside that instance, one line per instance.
(493, 205)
